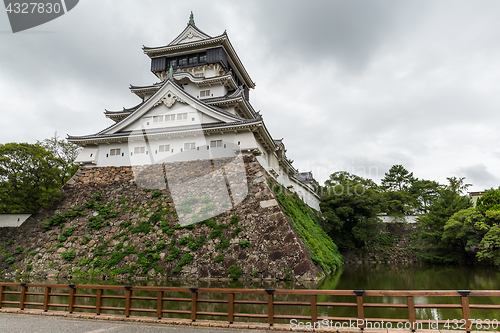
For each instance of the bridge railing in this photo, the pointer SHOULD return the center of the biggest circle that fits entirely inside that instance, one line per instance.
(22, 295)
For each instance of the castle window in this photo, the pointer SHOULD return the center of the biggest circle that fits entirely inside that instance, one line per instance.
(203, 57)
(139, 150)
(182, 116)
(190, 146)
(215, 143)
(157, 119)
(193, 60)
(114, 152)
(173, 63)
(164, 148)
(205, 93)
(170, 117)
(183, 61)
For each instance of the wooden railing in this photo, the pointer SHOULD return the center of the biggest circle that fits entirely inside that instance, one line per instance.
(22, 294)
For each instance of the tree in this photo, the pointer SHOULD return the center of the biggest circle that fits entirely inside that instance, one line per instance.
(433, 222)
(489, 201)
(423, 193)
(350, 207)
(31, 174)
(458, 185)
(397, 179)
(66, 152)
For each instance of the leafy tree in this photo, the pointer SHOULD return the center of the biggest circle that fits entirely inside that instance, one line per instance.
(489, 201)
(458, 185)
(433, 222)
(423, 193)
(66, 152)
(397, 179)
(350, 207)
(31, 175)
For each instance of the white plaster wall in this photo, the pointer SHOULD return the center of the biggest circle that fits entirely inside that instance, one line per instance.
(12, 220)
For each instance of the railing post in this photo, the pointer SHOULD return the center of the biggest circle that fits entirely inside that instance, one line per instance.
(46, 299)
(361, 311)
(128, 300)
(270, 306)
(22, 300)
(314, 308)
(194, 303)
(411, 312)
(71, 305)
(464, 298)
(2, 296)
(98, 301)
(230, 308)
(159, 305)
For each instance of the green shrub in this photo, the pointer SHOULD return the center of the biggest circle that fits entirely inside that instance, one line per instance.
(235, 219)
(85, 240)
(125, 224)
(174, 252)
(166, 228)
(119, 246)
(186, 240)
(219, 258)
(10, 260)
(156, 194)
(236, 231)
(195, 245)
(155, 217)
(186, 259)
(18, 250)
(68, 232)
(68, 255)
(95, 222)
(255, 272)
(160, 246)
(235, 272)
(143, 227)
(97, 196)
(216, 232)
(224, 244)
(244, 244)
(210, 223)
(323, 251)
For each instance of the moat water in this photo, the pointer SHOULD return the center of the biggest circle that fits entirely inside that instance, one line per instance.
(367, 277)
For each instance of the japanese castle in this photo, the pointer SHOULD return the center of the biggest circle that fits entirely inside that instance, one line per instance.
(199, 110)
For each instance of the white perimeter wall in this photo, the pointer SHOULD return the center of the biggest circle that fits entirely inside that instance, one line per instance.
(13, 220)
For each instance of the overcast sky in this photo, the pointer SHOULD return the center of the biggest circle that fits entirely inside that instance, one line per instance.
(350, 85)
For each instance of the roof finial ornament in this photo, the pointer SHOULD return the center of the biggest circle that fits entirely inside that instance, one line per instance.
(191, 18)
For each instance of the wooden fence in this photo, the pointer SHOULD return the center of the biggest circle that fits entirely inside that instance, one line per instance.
(21, 294)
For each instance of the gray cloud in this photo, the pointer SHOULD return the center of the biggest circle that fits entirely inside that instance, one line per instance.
(479, 175)
(347, 84)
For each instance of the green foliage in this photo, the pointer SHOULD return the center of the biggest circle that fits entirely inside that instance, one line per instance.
(236, 231)
(10, 260)
(174, 252)
(156, 194)
(235, 272)
(210, 224)
(434, 248)
(350, 212)
(255, 272)
(68, 255)
(307, 226)
(68, 232)
(125, 224)
(235, 219)
(119, 247)
(166, 228)
(185, 240)
(160, 246)
(489, 201)
(143, 227)
(196, 244)
(30, 177)
(219, 258)
(244, 244)
(216, 232)
(18, 250)
(95, 222)
(85, 240)
(186, 259)
(224, 243)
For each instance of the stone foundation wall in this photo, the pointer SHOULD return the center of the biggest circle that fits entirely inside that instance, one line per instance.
(151, 221)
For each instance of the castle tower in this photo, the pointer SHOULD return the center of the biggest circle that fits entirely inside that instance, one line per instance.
(198, 110)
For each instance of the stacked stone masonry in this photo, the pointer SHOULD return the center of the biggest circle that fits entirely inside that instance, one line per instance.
(261, 241)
